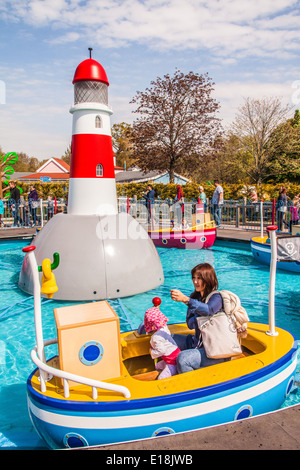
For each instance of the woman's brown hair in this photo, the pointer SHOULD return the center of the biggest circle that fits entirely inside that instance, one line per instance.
(208, 275)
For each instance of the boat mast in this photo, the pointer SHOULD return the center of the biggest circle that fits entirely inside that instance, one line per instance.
(273, 263)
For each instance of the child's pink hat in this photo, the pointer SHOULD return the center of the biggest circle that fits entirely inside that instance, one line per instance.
(154, 319)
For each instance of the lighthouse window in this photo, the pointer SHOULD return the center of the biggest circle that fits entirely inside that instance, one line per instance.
(99, 170)
(98, 122)
(88, 91)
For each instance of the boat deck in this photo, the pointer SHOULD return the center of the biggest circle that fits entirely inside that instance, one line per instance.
(139, 375)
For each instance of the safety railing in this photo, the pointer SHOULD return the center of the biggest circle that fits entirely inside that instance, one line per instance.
(233, 214)
(48, 372)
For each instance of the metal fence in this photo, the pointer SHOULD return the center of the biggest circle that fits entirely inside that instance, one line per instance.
(233, 214)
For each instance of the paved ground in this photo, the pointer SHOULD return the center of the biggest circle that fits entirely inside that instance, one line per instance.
(279, 430)
(275, 431)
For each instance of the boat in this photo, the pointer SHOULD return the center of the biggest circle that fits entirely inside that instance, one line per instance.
(261, 250)
(101, 387)
(196, 237)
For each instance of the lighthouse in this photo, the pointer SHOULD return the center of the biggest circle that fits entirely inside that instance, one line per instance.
(92, 187)
(103, 254)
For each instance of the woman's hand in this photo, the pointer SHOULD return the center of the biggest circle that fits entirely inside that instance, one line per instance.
(178, 296)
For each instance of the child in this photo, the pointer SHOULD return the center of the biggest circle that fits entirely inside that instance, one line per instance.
(162, 343)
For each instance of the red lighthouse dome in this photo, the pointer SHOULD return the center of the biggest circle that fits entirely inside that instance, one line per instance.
(90, 69)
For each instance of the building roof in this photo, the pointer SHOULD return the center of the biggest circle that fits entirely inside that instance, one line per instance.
(60, 164)
(90, 69)
(38, 176)
(136, 175)
(140, 176)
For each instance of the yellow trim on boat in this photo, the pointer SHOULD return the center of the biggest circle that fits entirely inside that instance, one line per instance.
(261, 240)
(204, 226)
(260, 350)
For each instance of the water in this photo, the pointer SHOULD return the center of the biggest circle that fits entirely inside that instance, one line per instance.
(236, 269)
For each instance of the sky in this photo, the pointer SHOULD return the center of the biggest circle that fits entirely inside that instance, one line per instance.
(249, 48)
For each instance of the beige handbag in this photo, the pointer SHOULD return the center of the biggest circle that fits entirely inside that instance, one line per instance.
(219, 335)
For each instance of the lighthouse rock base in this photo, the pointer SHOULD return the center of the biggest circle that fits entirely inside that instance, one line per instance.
(101, 257)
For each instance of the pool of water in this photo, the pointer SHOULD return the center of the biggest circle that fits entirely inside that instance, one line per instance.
(236, 270)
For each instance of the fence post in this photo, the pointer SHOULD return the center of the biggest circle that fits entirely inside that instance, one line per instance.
(237, 216)
(42, 215)
(273, 212)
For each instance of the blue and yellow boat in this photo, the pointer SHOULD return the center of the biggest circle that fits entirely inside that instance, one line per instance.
(261, 250)
(101, 386)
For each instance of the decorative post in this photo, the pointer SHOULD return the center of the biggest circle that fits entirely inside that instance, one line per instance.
(272, 233)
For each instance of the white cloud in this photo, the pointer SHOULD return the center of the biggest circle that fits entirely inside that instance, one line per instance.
(223, 26)
(232, 94)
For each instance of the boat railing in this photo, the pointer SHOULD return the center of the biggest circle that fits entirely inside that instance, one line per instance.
(47, 372)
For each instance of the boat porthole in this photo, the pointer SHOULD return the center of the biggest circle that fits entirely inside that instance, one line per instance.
(183, 240)
(163, 432)
(164, 241)
(73, 440)
(290, 386)
(203, 239)
(91, 353)
(244, 412)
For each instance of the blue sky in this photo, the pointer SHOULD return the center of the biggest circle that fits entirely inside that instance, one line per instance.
(248, 48)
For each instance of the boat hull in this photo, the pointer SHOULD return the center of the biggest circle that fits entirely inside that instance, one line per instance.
(67, 423)
(195, 238)
(262, 253)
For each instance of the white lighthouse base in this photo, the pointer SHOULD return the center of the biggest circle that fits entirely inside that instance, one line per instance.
(101, 257)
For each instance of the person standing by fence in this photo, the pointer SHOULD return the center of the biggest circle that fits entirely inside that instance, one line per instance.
(217, 201)
(179, 204)
(149, 196)
(281, 207)
(14, 203)
(294, 211)
(33, 201)
(256, 204)
(202, 197)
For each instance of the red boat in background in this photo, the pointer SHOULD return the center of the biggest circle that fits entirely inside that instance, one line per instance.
(193, 238)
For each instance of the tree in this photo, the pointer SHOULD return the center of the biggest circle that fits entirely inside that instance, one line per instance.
(284, 145)
(67, 155)
(227, 162)
(177, 123)
(254, 124)
(121, 138)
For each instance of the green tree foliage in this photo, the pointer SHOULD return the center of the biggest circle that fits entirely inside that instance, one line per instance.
(67, 155)
(254, 126)
(122, 145)
(284, 162)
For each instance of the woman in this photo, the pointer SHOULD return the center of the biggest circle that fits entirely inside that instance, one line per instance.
(192, 355)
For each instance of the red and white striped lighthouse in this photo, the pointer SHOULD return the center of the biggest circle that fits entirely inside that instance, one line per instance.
(103, 254)
(92, 187)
